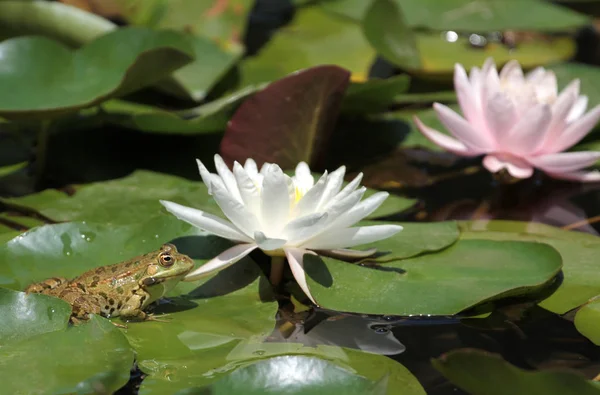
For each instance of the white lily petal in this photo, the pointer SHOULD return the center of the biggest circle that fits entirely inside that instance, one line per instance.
(341, 207)
(205, 174)
(303, 227)
(268, 244)
(332, 187)
(350, 237)
(350, 187)
(227, 177)
(205, 221)
(303, 176)
(223, 260)
(295, 258)
(308, 203)
(275, 202)
(250, 167)
(360, 211)
(235, 211)
(248, 190)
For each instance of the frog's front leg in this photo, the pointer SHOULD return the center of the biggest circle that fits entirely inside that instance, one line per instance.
(132, 309)
(46, 286)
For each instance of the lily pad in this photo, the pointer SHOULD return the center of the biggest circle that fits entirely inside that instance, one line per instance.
(386, 29)
(312, 39)
(25, 316)
(444, 283)
(473, 15)
(207, 118)
(482, 373)
(115, 64)
(579, 251)
(374, 95)
(587, 321)
(270, 377)
(414, 239)
(169, 376)
(79, 360)
(56, 20)
(289, 121)
(111, 202)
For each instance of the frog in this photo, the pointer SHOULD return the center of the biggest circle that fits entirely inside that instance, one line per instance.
(123, 289)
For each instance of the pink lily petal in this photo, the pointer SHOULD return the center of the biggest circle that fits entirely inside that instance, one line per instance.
(578, 109)
(221, 261)
(516, 167)
(583, 176)
(446, 142)
(560, 111)
(575, 131)
(528, 134)
(501, 116)
(461, 129)
(295, 257)
(467, 97)
(565, 162)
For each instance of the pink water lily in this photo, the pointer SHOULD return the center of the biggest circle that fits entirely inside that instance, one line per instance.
(519, 122)
(284, 216)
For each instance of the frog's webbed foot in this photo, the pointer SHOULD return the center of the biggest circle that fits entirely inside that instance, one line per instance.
(122, 326)
(161, 318)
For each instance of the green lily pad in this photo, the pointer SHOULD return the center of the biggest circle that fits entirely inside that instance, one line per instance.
(444, 283)
(473, 15)
(170, 376)
(374, 95)
(386, 29)
(112, 65)
(207, 118)
(25, 316)
(79, 360)
(111, 202)
(587, 321)
(579, 251)
(313, 38)
(414, 239)
(69, 249)
(265, 377)
(482, 373)
(70, 25)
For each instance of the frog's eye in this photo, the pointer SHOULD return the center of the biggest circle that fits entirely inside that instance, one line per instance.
(166, 259)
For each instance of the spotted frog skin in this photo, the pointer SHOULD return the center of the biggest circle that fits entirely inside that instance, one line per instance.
(123, 289)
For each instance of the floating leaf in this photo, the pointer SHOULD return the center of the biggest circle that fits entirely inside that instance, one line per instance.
(207, 118)
(289, 121)
(482, 373)
(579, 251)
(472, 15)
(374, 95)
(312, 39)
(131, 58)
(385, 27)
(443, 283)
(414, 239)
(25, 316)
(168, 376)
(79, 360)
(64, 23)
(587, 321)
(265, 377)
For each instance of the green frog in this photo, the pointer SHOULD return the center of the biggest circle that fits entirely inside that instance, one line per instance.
(123, 289)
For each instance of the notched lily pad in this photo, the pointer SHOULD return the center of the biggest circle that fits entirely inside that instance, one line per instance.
(41, 77)
(482, 373)
(25, 316)
(444, 283)
(90, 358)
(587, 320)
(579, 251)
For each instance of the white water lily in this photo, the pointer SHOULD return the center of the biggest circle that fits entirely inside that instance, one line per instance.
(283, 215)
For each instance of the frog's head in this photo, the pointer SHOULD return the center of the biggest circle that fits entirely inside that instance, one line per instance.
(166, 269)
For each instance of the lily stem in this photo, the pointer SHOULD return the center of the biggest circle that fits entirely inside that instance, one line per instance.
(277, 265)
(41, 151)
